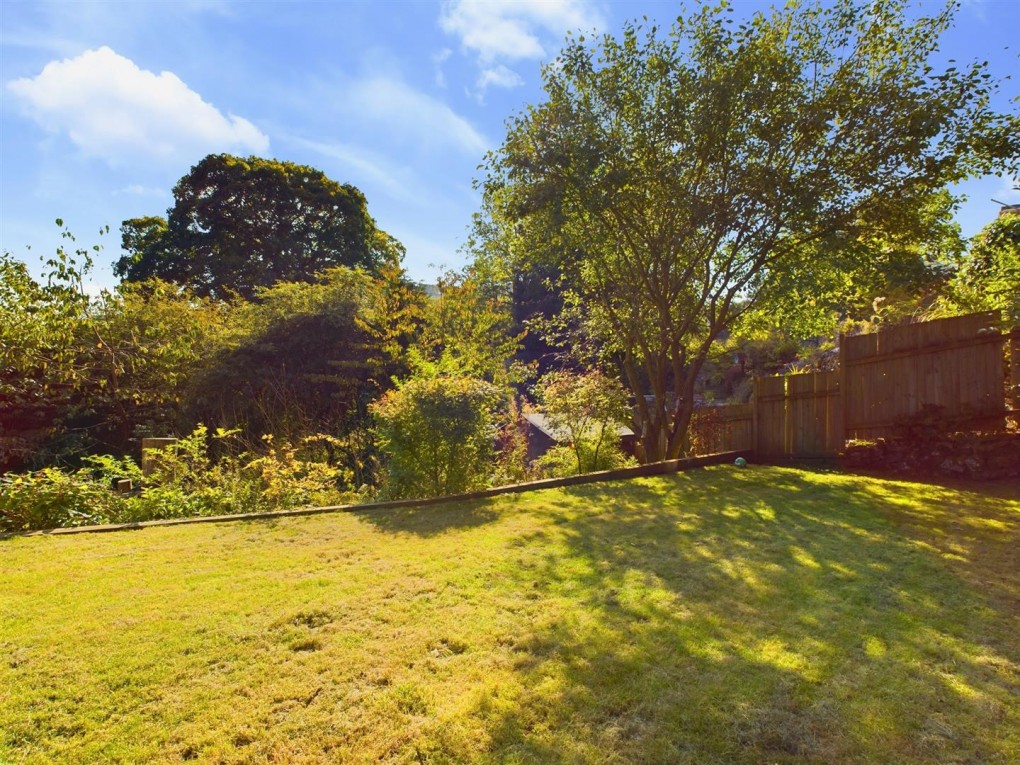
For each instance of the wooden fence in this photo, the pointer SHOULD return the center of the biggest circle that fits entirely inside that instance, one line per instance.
(798, 415)
(722, 428)
(956, 364)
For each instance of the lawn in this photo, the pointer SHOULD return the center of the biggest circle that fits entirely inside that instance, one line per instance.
(767, 615)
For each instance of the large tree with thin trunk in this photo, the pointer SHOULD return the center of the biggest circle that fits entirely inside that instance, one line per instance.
(689, 170)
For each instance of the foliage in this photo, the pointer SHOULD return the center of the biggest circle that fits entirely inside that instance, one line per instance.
(80, 373)
(893, 272)
(470, 324)
(563, 460)
(42, 326)
(437, 433)
(286, 478)
(241, 224)
(40, 323)
(687, 174)
(989, 277)
(512, 465)
(52, 498)
(84, 374)
(588, 410)
(186, 480)
(145, 344)
(526, 271)
(308, 358)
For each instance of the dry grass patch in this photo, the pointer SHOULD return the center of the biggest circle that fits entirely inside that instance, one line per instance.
(765, 615)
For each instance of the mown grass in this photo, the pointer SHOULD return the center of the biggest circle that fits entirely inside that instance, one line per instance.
(760, 616)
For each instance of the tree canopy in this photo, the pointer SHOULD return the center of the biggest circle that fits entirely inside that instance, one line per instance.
(687, 172)
(240, 224)
(989, 277)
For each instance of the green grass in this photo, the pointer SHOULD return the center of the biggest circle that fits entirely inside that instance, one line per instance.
(760, 616)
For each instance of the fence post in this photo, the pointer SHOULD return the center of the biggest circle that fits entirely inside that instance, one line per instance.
(841, 416)
(788, 442)
(1013, 393)
(754, 418)
(150, 445)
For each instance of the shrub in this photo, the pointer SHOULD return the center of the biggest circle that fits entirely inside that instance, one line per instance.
(185, 481)
(51, 498)
(562, 461)
(437, 433)
(512, 451)
(586, 410)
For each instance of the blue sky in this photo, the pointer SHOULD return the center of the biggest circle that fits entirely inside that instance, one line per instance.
(105, 105)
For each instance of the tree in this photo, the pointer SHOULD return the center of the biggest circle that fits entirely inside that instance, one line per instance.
(888, 273)
(142, 349)
(989, 277)
(240, 224)
(691, 171)
(472, 327)
(41, 367)
(308, 357)
(588, 409)
(80, 373)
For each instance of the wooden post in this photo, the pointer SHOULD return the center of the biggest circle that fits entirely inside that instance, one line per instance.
(153, 444)
(841, 401)
(754, 418)
(1013, 395)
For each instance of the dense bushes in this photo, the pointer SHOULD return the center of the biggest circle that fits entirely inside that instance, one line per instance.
(83, 374)
(188, 479)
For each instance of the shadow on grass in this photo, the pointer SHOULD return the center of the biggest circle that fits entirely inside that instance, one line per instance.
(972, 526)
(765, 615)
(432, 520)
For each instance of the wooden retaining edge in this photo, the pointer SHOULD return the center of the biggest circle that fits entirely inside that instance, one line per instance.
(655, 468)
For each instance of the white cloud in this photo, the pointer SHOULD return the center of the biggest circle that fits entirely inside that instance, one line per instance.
(500, 76)
(438, 60)
(138, 190)
(112, 109)
(409, 114)
(514, 29)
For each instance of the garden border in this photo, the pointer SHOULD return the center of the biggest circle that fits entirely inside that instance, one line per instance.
(652, 469)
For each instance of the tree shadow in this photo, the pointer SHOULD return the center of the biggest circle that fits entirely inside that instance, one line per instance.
(971, 526)
(432, 520)
(756, 616)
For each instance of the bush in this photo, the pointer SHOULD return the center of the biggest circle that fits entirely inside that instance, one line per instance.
(512, 465)
(51, 498)
(185, 482)
(438, 434)
(562, 461)
(586, 410)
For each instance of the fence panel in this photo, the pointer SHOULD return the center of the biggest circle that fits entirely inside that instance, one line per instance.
(726, 428)
(955, 363)
(813, 421)
(798, 415)
(770, 415)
